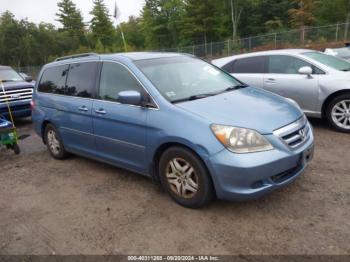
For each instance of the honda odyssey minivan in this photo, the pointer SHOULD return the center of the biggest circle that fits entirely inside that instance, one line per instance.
(175, 118)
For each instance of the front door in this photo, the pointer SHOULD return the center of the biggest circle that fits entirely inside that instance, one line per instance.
(283, 78)
(119, 129)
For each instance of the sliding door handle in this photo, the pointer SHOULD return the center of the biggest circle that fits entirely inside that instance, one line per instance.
(100, 111)
(83, 109)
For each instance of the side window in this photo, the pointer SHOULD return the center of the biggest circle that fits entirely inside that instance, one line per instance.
(53, 80)
(228, 67)
(114, 79)
(250, 65)
(81, 79)
(281, 64)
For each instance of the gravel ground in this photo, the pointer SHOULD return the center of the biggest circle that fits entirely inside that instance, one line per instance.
(79, 206)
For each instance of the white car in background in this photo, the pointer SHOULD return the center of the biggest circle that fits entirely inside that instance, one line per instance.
(319, 83)
(343, 52)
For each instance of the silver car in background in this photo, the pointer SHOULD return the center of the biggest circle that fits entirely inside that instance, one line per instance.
(342, 52)
(319, 83)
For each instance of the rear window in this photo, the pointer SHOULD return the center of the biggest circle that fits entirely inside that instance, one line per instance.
(250, 65)
(53, 80)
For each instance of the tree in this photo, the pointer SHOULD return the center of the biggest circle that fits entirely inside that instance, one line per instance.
(133, 32)
(101, 24)
(303, 15)
(200, 21)
(235, 17)
(72, 21)
(70, 17)
(161, 22)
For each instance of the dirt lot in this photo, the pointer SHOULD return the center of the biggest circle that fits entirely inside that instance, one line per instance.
(79, 206)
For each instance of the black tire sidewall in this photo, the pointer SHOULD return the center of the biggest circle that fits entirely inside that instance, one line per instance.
(16, 149)
(330, 107)
(205, 191)
(62, 153)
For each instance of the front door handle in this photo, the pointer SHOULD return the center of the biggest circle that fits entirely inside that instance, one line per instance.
(270, 80)
(83, 109)
(100, 111)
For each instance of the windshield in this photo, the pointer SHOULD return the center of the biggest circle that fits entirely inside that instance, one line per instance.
(342, 52)
(329, 61)
(7, 74)
(186, 78)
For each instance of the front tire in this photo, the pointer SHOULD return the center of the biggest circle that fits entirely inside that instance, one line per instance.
(54, 143)
(338, 113)
(185, 178)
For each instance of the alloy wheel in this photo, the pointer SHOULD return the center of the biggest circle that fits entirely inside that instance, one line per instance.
(341, 114)
(182, 178)
(53, 142)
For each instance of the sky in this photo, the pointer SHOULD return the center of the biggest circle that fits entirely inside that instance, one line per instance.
(44, 10)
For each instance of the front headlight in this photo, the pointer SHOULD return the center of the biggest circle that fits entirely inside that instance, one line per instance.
(241, 140)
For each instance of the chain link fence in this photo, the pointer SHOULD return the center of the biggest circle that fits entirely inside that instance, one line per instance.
(32, 71)
(308, 37)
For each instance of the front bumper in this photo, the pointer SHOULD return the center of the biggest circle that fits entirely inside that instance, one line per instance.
(249, 176)
(18, 109)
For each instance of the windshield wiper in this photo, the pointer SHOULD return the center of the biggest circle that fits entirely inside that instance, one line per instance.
(194, 97)
(346, 69)
(4, 81)
(239, 86)
(231, 88)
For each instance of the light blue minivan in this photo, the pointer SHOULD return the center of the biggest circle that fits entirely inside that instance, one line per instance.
(185, 123)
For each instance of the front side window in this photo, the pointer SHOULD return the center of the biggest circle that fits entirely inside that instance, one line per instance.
(53, 80)
(250, 65)
(114, 79)
(81, 79)
(282, 64)
(182, 78)
(7, 74)
(330, 61)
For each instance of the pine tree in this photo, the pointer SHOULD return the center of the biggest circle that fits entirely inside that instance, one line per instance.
(199, 24)
(101, 24)
(70, 17)
(72, 21)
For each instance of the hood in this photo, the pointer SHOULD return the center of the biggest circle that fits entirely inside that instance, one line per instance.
(248, 107)
(17, 85)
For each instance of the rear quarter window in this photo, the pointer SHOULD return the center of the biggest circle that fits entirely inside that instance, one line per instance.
(53, 80)
(249, 65)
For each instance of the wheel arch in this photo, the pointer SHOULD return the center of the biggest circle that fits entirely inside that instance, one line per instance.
(43, 127)
(163, 147)
(330, 98)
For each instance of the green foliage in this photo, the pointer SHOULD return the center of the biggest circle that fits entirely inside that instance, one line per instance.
(101, 24)
(162, 24)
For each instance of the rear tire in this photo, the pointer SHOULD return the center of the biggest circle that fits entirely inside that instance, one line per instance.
(185, 178)
(54, 143)
(338, 113)
(16, 149)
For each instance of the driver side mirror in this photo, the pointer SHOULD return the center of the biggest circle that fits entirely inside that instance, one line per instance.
(130, 97)
(305, 70)
(28, 79)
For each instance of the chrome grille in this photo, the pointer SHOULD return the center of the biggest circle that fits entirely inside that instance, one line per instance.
(16, 95)
(295, 134)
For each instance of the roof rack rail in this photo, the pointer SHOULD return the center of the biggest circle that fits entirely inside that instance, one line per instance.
(75, 56)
